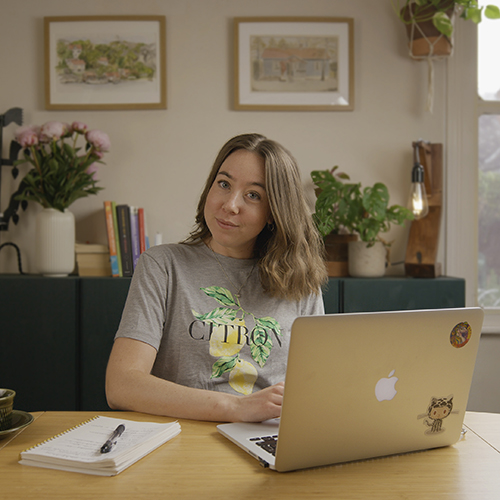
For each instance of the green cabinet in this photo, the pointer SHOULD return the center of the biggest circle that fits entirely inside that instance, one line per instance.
(55, 338)
(56, 333)
(347, 295)
(101, 305)
(332, 296)
(39, 341)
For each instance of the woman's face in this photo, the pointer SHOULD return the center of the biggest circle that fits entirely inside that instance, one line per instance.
(237, 207)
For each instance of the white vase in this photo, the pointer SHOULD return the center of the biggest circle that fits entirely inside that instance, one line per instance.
(366, 262)
(55, 242)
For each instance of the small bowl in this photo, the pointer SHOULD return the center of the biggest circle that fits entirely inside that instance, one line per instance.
(6, 406)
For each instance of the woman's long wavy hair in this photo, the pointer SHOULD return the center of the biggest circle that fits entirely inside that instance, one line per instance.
(290, 251)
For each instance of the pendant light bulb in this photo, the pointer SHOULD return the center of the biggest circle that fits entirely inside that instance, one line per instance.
(418, 202)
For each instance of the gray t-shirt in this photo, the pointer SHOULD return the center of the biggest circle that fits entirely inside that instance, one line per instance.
(182, 303)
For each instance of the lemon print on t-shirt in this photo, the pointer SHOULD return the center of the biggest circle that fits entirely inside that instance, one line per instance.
(243, 376)
(227, 340)
(230, 333)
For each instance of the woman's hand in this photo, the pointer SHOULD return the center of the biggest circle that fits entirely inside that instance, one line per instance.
(261, 405)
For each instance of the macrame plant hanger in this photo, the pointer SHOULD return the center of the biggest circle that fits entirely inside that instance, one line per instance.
(434, 53)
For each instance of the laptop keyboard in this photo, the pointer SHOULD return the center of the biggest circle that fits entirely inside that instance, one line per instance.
(267, 443)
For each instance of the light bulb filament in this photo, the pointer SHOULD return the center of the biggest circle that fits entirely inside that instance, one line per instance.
(418, 200)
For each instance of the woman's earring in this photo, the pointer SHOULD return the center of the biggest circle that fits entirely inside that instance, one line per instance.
(271, 227)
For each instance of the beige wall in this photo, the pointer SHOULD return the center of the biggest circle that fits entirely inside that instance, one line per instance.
(159, 159)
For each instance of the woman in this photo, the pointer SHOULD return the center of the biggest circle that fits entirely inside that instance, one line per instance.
(206, 326)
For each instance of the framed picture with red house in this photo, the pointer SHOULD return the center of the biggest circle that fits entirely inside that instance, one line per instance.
(294, 63)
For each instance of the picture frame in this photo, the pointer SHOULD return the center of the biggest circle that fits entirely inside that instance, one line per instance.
(105, 62)
(294, 63)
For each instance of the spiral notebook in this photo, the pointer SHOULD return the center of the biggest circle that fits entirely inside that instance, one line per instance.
(79, 449)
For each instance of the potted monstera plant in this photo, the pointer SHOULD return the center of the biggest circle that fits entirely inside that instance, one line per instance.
(429, 23)
(345, 207)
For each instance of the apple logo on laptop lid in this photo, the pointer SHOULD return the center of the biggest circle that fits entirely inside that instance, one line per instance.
(385, 389)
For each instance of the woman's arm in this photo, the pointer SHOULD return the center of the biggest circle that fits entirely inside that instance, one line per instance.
(130, 386)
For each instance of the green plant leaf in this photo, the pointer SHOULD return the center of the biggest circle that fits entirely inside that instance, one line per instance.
(219, 316)
(223, 365)
(399, 215)
(221, 295)
(492, 12)
(268, 323)
(324, 223)
(261, 345)
(443, 23)
(375, 201)
(369, 229)
(474, 14)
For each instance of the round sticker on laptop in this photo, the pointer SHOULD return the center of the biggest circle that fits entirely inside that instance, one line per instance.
(460, 335)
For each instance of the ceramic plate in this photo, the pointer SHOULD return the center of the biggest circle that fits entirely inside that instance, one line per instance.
(20, 419)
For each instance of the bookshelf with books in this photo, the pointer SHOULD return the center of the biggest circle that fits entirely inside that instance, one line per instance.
(127, 236)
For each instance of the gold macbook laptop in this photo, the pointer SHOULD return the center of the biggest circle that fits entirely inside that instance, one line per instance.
(367, 385)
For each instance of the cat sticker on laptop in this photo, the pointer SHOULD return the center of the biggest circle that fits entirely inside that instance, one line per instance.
(437, 411)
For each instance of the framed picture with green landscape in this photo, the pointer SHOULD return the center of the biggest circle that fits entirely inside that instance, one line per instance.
(294, 63)
(105, 62)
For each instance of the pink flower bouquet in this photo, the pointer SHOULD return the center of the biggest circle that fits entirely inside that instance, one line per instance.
(61, 171)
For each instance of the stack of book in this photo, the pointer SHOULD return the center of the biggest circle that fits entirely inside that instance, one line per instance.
(92, 259)
(127, 237)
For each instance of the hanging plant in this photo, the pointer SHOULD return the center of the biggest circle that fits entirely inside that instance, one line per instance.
(439, 12)
(430, 25)
(429, 29)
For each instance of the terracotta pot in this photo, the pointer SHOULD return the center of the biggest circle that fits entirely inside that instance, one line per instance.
(337, 250)
(424, 38)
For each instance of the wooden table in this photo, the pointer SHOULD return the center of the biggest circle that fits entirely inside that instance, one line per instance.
(201, 464)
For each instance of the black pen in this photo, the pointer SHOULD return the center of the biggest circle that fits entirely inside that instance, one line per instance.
(106, 447)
